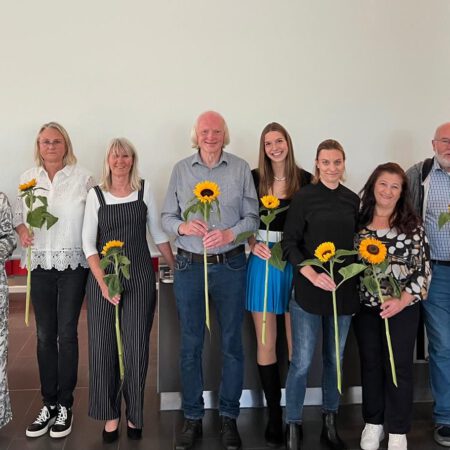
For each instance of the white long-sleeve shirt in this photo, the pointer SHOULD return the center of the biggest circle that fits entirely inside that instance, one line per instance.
(60, 246)
(90, 224)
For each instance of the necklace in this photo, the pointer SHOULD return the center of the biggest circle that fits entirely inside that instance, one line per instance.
(279, 178)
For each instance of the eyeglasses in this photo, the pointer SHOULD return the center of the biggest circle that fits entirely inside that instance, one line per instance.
(445, 141)
(55, 143)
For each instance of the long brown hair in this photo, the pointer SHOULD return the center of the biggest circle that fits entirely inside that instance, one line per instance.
(403, 218)
(266, 175)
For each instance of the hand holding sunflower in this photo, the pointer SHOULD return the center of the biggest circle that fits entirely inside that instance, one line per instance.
(326, 253)
(374, 252)
(205, 198)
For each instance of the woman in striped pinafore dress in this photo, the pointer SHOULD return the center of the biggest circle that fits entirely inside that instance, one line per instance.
(121, 208)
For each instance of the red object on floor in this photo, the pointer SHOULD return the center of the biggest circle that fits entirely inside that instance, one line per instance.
(16, 269)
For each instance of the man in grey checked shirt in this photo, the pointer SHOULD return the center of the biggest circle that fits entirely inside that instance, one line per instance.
(226, 271)
(430, 189)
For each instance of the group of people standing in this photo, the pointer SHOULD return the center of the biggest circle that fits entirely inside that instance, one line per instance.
(399, 209)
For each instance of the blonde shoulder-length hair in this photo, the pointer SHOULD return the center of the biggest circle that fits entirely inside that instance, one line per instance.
(120, 146)
(69, 157)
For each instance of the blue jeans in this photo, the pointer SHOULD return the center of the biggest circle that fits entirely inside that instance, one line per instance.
(57, 297)
(305, 331)
(437, 321)
(226, 284)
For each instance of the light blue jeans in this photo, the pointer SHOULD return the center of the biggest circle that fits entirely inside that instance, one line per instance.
(305, 331)
(437, 321)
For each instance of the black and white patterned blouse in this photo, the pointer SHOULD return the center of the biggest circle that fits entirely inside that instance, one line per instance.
(409, 263)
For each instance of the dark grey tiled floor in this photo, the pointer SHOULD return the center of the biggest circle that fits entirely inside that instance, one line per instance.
(160, 427)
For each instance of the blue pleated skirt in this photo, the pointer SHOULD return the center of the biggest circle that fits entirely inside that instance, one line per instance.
(279, 287)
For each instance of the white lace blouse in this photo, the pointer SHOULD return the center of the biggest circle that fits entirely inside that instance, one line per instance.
(60, 247)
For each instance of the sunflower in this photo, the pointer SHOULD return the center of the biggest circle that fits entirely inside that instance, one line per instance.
(270, 202)
(372, 250)
(111, 244)
(26, 186)
(325, 251)
(207, 191)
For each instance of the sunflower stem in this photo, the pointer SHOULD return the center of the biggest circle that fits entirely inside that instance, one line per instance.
(205, 272)
(27, 299)
(388, 334)
(336, 335)
(266, 282)
(117, 326)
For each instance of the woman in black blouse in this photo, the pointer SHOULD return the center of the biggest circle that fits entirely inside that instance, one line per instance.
(277, 174)
(323, 211)
(387, 215)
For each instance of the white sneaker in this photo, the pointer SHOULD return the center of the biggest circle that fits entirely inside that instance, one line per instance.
(371, 437)
(397, 442)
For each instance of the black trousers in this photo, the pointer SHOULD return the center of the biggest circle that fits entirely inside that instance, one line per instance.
(57, 297)
(382, 401)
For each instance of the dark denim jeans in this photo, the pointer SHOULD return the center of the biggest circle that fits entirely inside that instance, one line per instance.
(305, 331)
(436, 310)
(57, 297)
(226, 284)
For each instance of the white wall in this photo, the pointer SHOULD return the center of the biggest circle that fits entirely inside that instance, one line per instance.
(373, 74)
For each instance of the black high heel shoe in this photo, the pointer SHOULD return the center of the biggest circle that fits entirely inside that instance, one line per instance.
(111, 436)
(134, 433)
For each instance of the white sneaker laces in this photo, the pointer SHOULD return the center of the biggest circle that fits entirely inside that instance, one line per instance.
(43, 416)
(62, 415)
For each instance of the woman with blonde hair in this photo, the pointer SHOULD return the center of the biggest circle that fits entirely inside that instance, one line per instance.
(121, 208)
(58, 274)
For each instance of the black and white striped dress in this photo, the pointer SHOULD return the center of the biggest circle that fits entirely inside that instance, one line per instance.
(125, 222)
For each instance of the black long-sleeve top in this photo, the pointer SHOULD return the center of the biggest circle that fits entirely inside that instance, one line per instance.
(318, 214)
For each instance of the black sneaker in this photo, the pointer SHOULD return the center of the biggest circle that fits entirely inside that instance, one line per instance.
(229, 433)
(63, 424)
(192, 429)
(442, 435)
(43, 422)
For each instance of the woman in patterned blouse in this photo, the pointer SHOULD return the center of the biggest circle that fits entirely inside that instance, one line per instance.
(387, 215)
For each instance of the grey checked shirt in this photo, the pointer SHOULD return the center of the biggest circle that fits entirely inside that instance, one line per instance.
(238, 200)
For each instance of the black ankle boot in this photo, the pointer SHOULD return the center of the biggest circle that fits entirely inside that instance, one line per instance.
(271, 384)
(329, 432)
(294, 434)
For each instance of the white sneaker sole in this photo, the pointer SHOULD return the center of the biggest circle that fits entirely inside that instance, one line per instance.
(38, 433)
(368, 447)
(61, 434)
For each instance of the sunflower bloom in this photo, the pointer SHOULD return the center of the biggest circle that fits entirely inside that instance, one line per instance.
(270, 202)
(206, 191)
(372, 250)
(325, 251)
(25, 186)
(111, 244)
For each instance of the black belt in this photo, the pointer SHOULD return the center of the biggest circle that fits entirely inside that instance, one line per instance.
(220, 258)
(440, 263)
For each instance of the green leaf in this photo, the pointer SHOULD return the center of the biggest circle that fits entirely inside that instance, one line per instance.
(113, 283)
(267, 219)
(123, 260)
(50, 219)
(280, 210)
(381, 268)
(105, 262)
(351, 270)
(242, 237)
(312, 262)
(342, 252)
(206, 210)
(35, 218)
(396, 290)
(43, 199)
(370, 285)
(28, 200)
(191, 210)
(126, 271)
(443, 219)
(276, 257)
